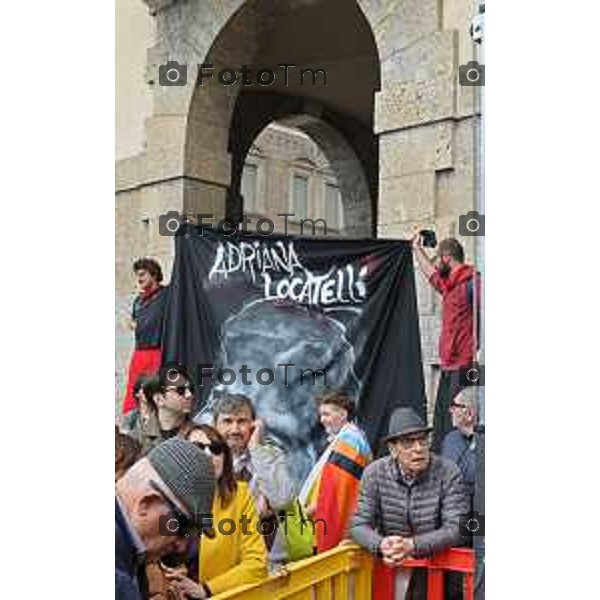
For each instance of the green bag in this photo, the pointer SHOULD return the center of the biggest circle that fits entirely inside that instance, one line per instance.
(297, 530)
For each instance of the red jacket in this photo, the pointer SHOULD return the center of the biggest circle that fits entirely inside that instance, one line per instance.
(458, 346)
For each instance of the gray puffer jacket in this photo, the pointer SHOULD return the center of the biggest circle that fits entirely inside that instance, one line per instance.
(428, 509)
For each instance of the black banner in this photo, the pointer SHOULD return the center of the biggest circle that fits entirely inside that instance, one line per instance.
(278, 318)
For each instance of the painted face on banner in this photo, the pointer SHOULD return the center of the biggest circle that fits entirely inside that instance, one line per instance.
(262, 336)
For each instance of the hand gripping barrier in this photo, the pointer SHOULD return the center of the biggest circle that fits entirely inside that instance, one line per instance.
(458, 560)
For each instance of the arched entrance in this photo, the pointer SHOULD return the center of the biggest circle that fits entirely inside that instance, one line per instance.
(348, 147)
(334, 107)
(392, 71)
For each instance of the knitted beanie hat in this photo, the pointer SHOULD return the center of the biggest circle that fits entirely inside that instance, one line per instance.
(187, 472)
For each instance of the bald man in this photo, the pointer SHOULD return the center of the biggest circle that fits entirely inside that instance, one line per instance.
(159, 501)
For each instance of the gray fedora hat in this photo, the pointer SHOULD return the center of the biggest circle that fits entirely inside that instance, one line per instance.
(404, 421)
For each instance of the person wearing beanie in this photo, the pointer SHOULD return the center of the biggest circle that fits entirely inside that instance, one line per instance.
(160, 501)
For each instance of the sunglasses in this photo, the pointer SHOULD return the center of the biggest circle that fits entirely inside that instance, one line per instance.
(180, 389)
(408, 442)
(457, 405)
(215, 447)
(178, 524)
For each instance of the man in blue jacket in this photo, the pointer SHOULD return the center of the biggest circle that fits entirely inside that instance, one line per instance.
(159, 502)
(459, 444)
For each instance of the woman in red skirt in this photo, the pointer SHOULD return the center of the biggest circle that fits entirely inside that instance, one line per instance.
(147, 317)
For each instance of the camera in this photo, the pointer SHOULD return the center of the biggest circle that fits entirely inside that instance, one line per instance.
(172, 374)
(172, 524)
(172, 73)
(429, 238)
(173, 560)
(170, 223)
(472, 524)
(471, 74)
(471, 224)
(472, 374)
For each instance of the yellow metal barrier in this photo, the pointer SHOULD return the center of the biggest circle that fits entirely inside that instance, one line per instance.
(343, 573)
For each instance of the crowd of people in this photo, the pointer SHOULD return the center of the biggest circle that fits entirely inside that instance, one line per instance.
(202, 508)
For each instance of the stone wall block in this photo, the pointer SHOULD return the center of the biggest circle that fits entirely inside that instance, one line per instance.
(426, 148)
(409, 103)
(407, 198)
(430, 56)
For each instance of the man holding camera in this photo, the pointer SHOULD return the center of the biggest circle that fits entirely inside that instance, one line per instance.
(460, 287)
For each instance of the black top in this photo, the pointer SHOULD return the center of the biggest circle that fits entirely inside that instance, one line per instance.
(148, 313)
(130, 567)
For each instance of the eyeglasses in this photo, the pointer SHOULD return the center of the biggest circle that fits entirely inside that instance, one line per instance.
(180, 389)
(183, 526)
(215, 447)
(457, 405)
(408, 442)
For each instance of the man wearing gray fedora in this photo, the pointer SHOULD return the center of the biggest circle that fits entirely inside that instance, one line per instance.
(160, 501)
(409, 502)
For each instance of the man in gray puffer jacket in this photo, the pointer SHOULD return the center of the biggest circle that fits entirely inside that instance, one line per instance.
(409, 502)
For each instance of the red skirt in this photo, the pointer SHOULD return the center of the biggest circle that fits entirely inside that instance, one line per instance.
(143, 362)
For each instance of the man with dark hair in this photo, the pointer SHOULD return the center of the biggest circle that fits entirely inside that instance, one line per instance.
(460, 288)
(148, 265)
(410, 504)
(260, 462)
(147, 317)
(331, 488)
(173, 396)
(235, 419)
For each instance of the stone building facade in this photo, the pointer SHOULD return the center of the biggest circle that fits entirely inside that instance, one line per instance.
(286, 173)
(394, 130)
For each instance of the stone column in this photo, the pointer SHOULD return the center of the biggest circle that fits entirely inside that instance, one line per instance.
(425, 127)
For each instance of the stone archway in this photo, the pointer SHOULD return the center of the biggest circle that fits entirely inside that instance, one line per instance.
(349, 147)
(404, 91)
(223, 120)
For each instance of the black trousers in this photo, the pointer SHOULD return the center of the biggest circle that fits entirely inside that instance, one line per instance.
(448, 388)
(417, 589)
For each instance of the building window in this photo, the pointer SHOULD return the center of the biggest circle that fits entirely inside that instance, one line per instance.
(300, 197)
(249, 187)
(333, 206)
